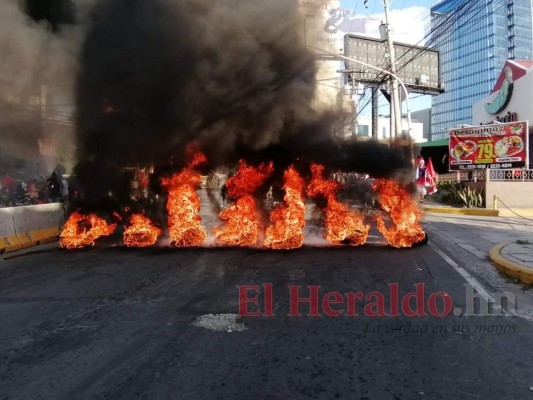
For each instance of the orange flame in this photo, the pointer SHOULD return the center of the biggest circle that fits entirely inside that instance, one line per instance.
(343, 226)
(242, 221)
(288, 219)
(404, 213)
(183, 205)
(141, 232)
(197, 158)
(82, 230)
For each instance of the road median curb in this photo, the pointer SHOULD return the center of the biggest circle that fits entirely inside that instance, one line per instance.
(508, 267)
(462, 211)
(28, 226)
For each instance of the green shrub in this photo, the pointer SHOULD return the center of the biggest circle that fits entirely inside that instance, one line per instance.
(449, 192)
(455, 193)
(471, 198)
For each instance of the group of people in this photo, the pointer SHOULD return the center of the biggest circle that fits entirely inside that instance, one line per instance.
(55, 189)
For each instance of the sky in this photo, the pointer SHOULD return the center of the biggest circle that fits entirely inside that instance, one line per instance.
(408, 19)
(376, 6)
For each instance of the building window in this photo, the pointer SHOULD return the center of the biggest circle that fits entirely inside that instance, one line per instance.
(362, 130)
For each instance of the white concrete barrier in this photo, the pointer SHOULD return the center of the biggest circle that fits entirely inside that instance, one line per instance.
(8, 237)
(31, 225)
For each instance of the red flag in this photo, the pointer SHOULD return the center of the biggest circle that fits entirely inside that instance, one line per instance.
(431, 178)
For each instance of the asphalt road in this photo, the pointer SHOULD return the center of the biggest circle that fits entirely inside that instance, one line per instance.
(119, 323)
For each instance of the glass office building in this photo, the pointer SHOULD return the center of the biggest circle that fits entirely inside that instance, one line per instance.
(475, 38)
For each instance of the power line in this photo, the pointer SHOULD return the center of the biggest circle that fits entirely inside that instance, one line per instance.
(446, 23)
(443, 27)
(446, 26)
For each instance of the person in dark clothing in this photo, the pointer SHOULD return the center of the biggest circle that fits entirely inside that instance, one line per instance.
(224, 193)
(54, 188)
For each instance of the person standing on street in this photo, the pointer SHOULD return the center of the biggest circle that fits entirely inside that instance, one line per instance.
(64, 193)
(9, 185)
(421, 178)
(54, 188)
(33, 191)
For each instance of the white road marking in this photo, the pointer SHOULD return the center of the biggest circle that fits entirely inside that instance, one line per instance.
(469, 278)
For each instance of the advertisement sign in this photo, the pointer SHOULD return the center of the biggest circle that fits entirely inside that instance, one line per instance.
(322, 21)
(501, 146)
(420, 71)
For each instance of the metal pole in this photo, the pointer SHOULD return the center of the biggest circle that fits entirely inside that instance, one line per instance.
(392, 116)
(375, 133)
(395, 98)
(353, 99)
(384, 71)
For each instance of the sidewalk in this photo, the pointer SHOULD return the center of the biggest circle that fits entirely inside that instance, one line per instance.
(430, 206)
(514, 259)
(505, 241)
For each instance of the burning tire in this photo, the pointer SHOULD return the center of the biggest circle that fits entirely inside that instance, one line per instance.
(423, 241)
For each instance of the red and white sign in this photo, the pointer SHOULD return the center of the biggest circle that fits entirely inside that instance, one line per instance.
(500, 146)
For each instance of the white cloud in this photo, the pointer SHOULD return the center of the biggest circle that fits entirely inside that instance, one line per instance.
(408, 24)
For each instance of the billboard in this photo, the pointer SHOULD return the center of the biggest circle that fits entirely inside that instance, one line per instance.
(320, 24)
(318, 27)
(418, 67)
(501, 146)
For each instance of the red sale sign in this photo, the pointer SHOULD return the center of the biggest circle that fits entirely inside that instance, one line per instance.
(501, 146)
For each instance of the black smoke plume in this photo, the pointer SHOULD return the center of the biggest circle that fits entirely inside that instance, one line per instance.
(38, 43)
(231, 75)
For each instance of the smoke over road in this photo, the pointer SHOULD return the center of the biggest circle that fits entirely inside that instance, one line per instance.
(39, 44)
(149, 77)
(157, 74)
(232, 75)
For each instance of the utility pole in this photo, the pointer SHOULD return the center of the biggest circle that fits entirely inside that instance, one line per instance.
(396, 125)
(375, 133)
(353, 99)
(384, 71)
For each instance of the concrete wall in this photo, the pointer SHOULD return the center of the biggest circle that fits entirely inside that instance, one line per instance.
(514, 194)
(8, 236)
(28, 226)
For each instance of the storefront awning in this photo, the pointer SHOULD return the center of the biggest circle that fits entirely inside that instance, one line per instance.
(443, 142)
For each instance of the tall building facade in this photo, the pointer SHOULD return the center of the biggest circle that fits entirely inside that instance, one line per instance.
(475, 38)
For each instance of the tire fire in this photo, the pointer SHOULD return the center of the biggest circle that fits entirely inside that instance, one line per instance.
(183, 206)
(343, 226)
(288, 219)
(404, 214)
(141, 232)
(243, 225)
(82, 230)
(242, 219)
